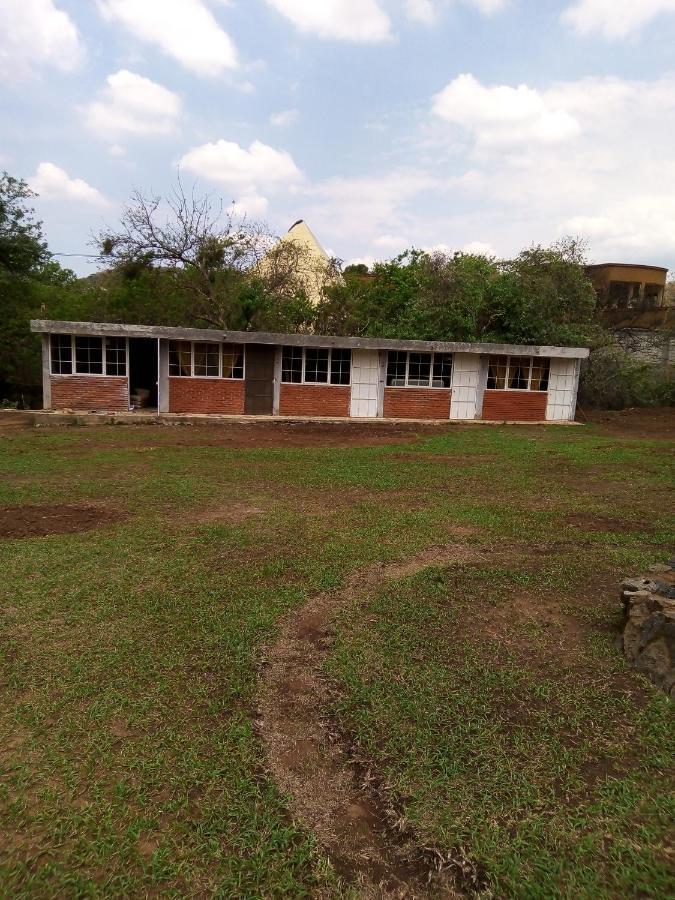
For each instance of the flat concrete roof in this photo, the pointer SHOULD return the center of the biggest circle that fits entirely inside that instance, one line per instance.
(626, 266)
(108, 329)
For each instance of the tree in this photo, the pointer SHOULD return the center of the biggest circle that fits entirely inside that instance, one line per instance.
(23, 248)
(204, 252)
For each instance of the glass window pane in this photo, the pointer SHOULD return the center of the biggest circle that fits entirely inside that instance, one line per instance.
(233, 361)
(442, 370)
(340, 366)
(519, 373)
(419, 370)
(115, 356)
(496, 373)
(540, 373)
(180, 359)
(291, 365)
(207, 360)
(396, 365)
(89, 355)
(316, 365)
(61, 354)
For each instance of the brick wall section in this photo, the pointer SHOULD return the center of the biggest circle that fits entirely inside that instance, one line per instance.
(514, 406)
(416, 403)
(314, 400)
(85, 392)
(206, 395)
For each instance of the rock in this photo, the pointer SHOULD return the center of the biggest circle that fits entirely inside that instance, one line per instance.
(648, 639)
(660, 569)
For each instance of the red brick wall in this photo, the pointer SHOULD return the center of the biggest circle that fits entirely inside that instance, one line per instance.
(514, 406)
(314, 400)
(416, 403)
(206, 395)
(89, 392)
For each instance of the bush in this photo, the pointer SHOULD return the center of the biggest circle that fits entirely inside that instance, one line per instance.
(612, 379)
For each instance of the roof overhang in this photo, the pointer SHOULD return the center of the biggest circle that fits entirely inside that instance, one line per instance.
(107, 329)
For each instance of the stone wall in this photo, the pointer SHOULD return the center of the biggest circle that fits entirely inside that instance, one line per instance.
(648, 639)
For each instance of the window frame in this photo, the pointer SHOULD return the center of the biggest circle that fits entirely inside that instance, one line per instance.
(329, 350)
(434, 357)
(221, 347)
(74, 373)
(544, 363)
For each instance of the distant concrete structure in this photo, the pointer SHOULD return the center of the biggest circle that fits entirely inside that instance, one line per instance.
(628, 286)
(299, 252)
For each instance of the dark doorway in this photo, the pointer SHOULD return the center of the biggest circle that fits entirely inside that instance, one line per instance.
(259, 380)
(143, 373)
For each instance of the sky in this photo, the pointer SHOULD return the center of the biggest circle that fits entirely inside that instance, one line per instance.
(472, 125)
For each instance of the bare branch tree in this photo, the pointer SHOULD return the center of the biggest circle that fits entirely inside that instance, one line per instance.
(192, 237)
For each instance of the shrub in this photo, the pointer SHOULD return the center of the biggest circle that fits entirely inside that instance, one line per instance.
(612, 379)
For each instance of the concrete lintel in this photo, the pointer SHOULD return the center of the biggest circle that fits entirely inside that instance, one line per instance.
(104, 329)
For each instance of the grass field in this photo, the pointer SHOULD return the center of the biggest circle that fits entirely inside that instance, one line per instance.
(489, 698)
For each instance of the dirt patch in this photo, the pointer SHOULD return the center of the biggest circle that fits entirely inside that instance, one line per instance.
(39, 521)
(594, 522)
(228, 514)
(649, 423)
(325, 792)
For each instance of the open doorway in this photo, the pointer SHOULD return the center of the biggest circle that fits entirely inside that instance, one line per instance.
(143, 360)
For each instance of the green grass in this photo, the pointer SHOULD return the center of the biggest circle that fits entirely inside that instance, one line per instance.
(129, 759)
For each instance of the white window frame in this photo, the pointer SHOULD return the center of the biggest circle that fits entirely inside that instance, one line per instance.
(327, 383)
(423, 387)
(221, 345)
(74, 373)
(529, 374)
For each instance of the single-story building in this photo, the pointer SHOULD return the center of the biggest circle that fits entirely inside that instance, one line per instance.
(110, 367)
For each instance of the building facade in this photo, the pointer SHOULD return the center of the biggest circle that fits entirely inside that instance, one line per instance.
(107, 367)
(626, 286)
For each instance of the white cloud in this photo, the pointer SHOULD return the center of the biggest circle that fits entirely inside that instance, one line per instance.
(479, 248)
(422, 11)
(614, 18)
(612, 179)
(501, 114)
(36, 33)
(183, 29)
(361, 208)
(52, 182)
(426, 11)
(245, 173)
(285, 118)
(132, 104)
(361, 21)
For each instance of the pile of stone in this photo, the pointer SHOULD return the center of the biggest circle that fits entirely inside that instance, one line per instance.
(649, 631)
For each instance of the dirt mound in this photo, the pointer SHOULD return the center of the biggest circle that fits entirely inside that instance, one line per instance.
(38, 521)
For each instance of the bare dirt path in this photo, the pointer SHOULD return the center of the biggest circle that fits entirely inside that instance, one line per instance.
(325, 792)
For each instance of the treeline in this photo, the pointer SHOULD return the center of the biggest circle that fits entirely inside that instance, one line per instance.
(182, 260)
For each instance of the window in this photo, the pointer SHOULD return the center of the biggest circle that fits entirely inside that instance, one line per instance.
(313, 365)
(340, 366)
(316, 365)
(81, 355)
(233, 361)
(518, 373)
(89, 355)
(62, 354)
(115, 356)
(203, 359)
(207, 360)
(291, 365)
(413, 369)
(180, 358)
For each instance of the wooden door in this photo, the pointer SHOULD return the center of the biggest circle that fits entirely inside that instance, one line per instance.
(259, 380)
